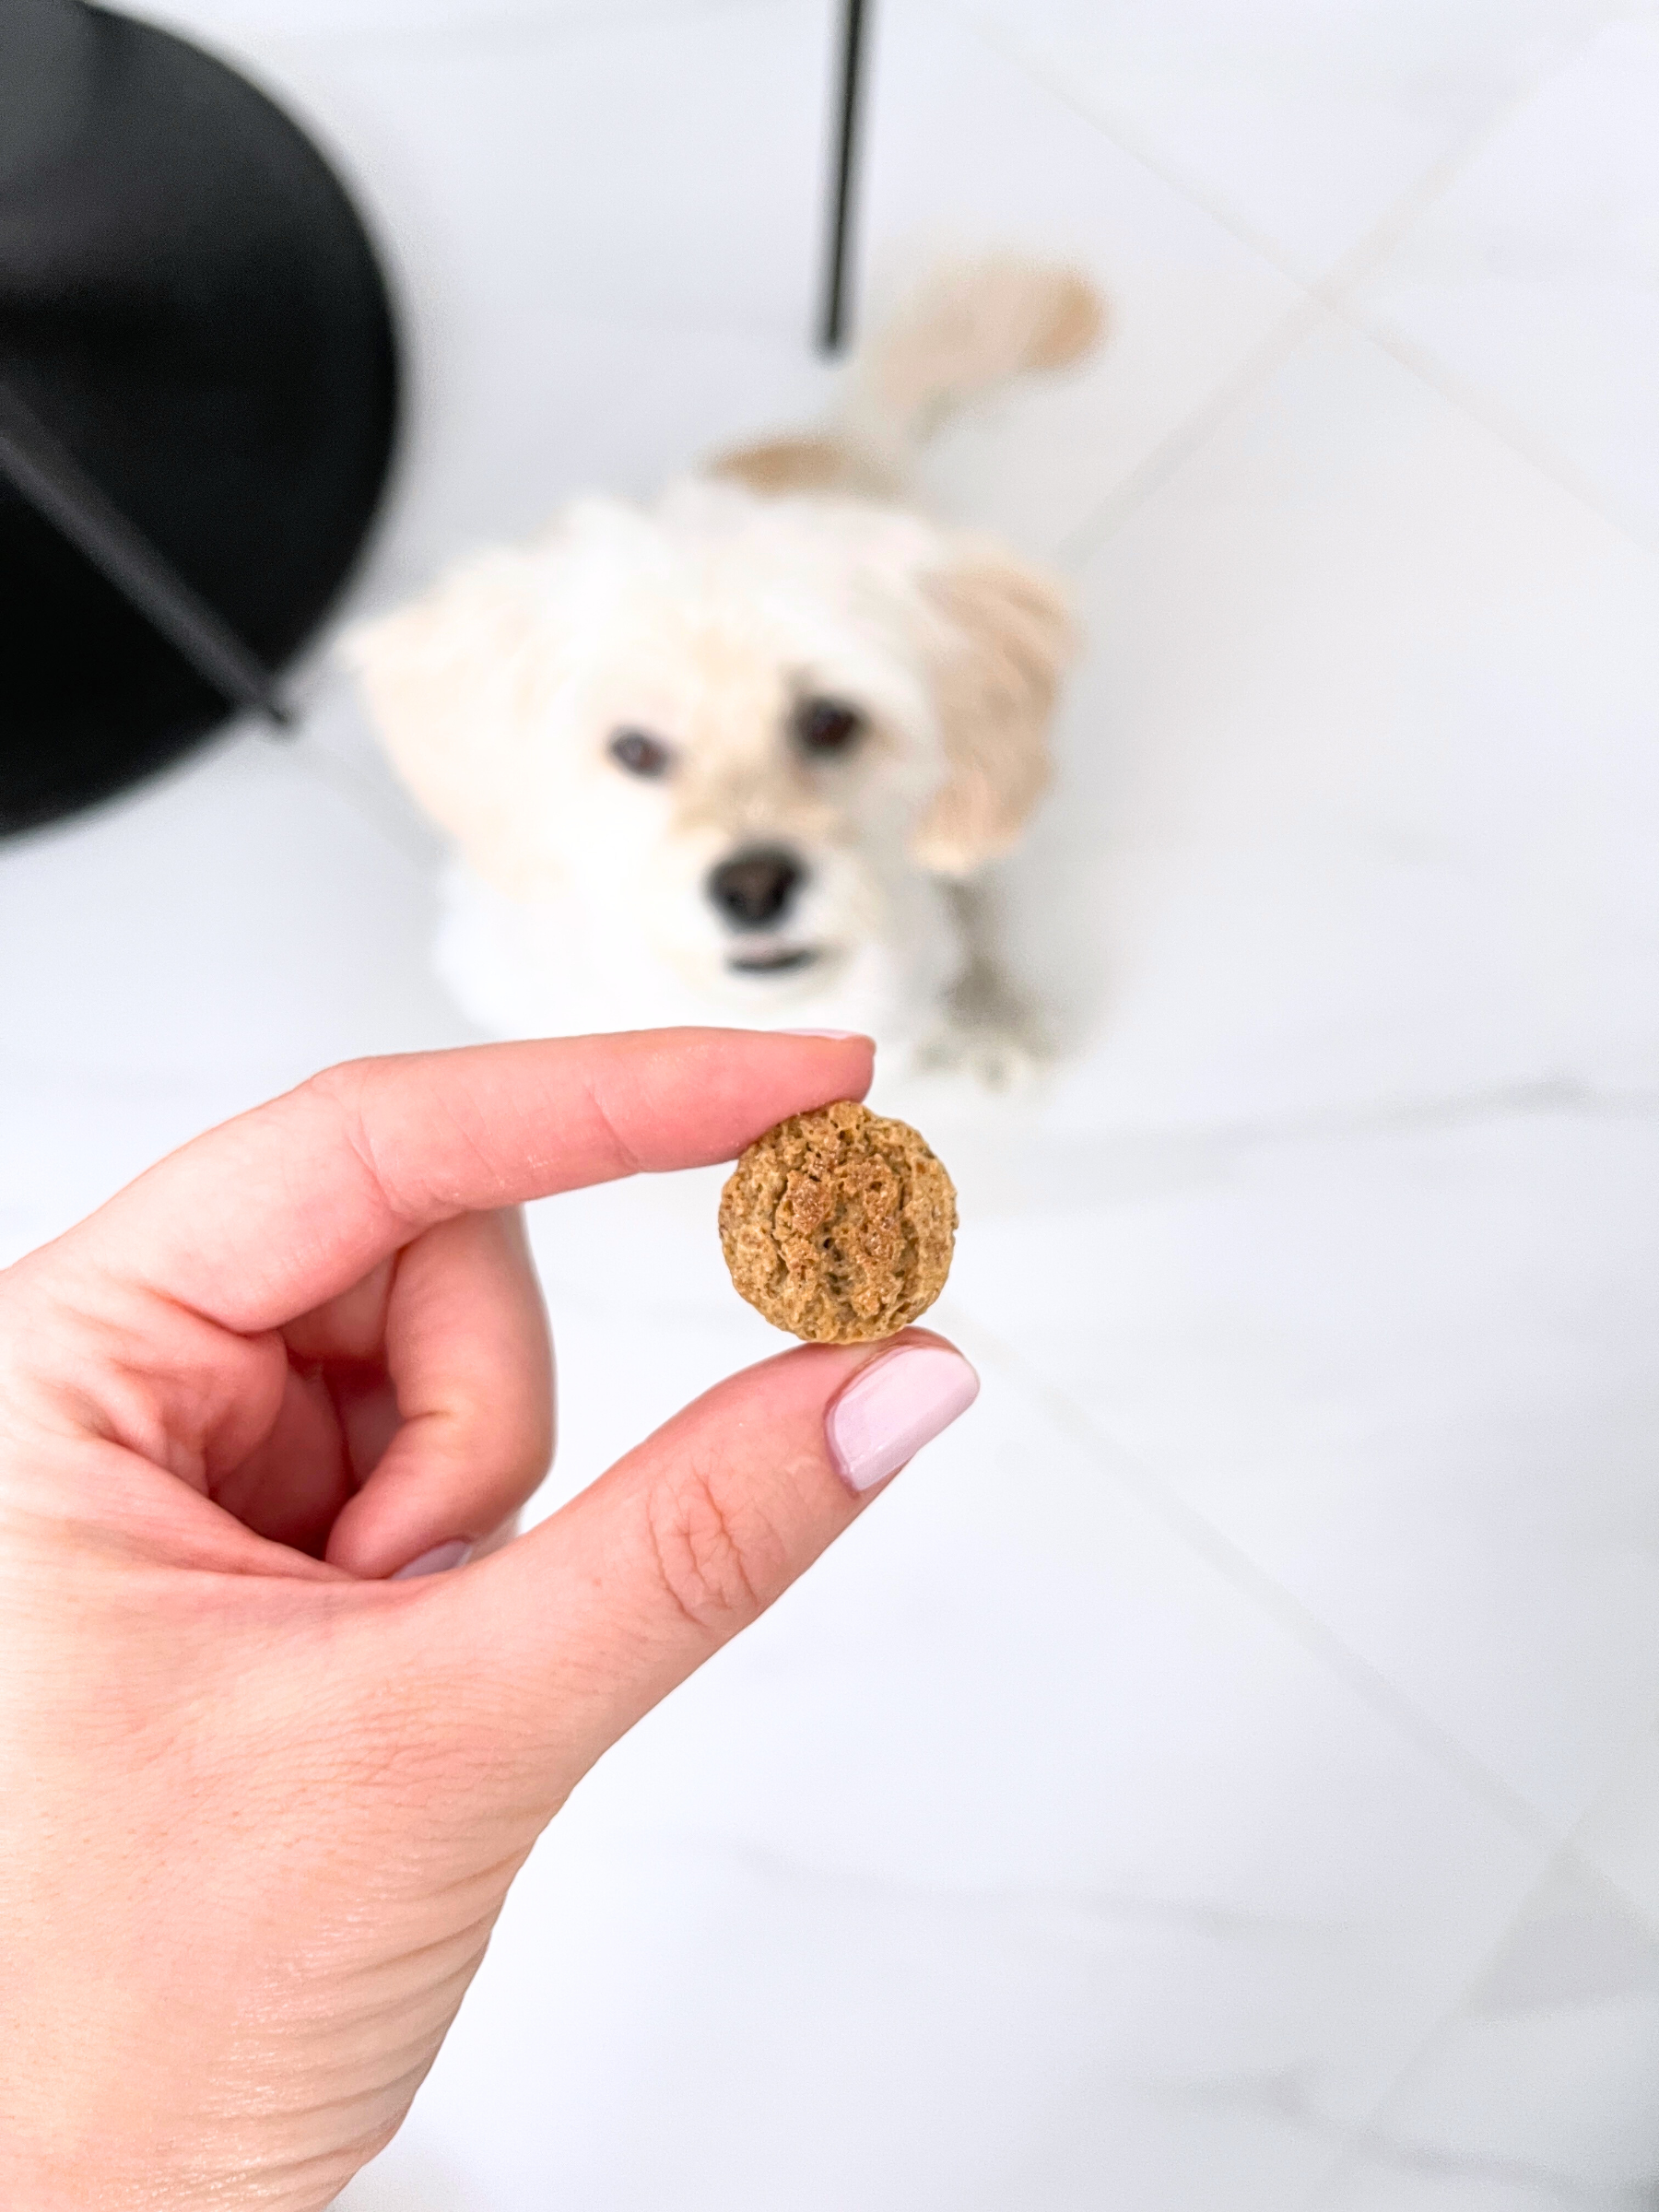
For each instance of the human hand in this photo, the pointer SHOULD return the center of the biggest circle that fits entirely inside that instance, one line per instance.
(261, 1795)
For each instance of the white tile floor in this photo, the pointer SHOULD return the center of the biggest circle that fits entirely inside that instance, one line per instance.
(1225, 1773)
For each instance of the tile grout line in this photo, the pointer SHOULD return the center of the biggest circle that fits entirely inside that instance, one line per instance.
(1332, 291)
(1571, 1851)
(1348, 268)
(1365, 2130)
(1478, 408)
(991, 36)
(1194, 429)
(1475, 408)
(1235, 1565)
(1383, 234)
(1191, 435)
(1337, 291)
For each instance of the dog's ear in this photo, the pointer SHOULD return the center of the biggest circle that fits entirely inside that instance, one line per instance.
(454, 683)
(1002, 636)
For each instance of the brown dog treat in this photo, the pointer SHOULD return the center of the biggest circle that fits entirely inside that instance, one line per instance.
(837, 1225)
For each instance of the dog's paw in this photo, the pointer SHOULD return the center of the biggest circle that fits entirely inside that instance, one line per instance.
(1006, 1053)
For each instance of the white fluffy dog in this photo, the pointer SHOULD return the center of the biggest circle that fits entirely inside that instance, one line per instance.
(738, 756)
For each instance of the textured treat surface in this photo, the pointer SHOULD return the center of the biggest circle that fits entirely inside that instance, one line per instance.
(837, 1225)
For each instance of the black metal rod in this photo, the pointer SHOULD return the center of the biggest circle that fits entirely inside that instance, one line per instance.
(832, 325)
(54, 483)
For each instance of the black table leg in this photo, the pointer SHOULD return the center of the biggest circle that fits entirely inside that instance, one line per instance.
(832, 325)
(56, 485)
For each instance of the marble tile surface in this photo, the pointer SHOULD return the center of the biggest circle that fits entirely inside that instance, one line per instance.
(1306, 122)
(1224, 1772)
(1530, 287)
(1412, 868)
(1380, 1363)
(1618, 1835)
(1539, 2090)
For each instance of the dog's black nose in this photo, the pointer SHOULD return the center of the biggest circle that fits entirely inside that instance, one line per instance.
(752, 889)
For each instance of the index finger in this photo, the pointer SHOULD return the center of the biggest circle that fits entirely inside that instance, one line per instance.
(288, 1205)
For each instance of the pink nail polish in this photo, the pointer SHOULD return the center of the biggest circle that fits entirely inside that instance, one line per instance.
(437, 1562)
(835, 1036)
(894, 1406)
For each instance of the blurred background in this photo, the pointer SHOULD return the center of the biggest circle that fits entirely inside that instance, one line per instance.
(1225, 1772)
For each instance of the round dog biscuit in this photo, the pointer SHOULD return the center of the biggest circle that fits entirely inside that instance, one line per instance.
(837, 1225)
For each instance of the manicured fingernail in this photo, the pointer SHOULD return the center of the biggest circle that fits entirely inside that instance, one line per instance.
(894, 1406)
(436, 1561)
(836, 1036)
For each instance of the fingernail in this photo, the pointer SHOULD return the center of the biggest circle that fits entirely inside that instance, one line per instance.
(836, 1036)
(894, 1406)
(437, 1562)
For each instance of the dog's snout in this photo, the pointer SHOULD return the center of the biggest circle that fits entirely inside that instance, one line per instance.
(752, 889)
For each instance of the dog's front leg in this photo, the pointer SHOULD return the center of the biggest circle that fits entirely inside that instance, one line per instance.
(988, 1026)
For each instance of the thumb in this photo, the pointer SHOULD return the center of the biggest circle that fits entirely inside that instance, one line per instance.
(568, 1636)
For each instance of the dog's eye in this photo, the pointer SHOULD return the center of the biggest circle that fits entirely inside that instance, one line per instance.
(827, 727)
(639, 754)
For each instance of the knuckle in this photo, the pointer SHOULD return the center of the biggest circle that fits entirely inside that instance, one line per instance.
(720, 1559)
(342, 1097)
